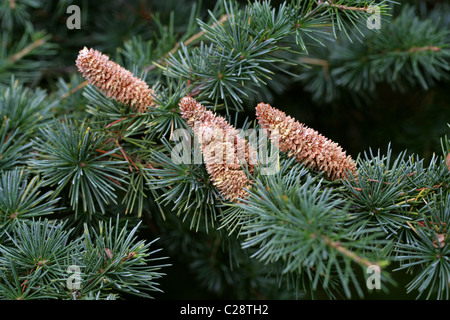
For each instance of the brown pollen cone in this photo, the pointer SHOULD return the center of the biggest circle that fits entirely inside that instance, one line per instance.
(113, 80)
(307, 145)
(447, 159)
(222, 148)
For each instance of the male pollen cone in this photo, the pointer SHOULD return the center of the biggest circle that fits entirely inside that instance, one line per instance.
(222, 147)
(307, 145)
(113, 80)
(448, 160)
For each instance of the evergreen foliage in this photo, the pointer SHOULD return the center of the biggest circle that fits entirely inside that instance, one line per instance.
(89, 183)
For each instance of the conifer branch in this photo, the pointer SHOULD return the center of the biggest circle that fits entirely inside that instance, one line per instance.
(89, 152)
(25, 51)
(344, 7)
(73, 90)
(350, 254)
(319, 62)
(190, 40)
(425, 48)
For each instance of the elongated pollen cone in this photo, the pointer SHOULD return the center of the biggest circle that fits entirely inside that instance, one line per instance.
(307, 145)
(113, 80)
(223, 149)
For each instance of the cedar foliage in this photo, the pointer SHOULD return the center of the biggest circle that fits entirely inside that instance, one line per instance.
(91, 182)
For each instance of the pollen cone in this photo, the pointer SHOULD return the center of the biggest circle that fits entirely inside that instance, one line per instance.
(113, 80)
(223, 150)
(307, 145)
(448, 161)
